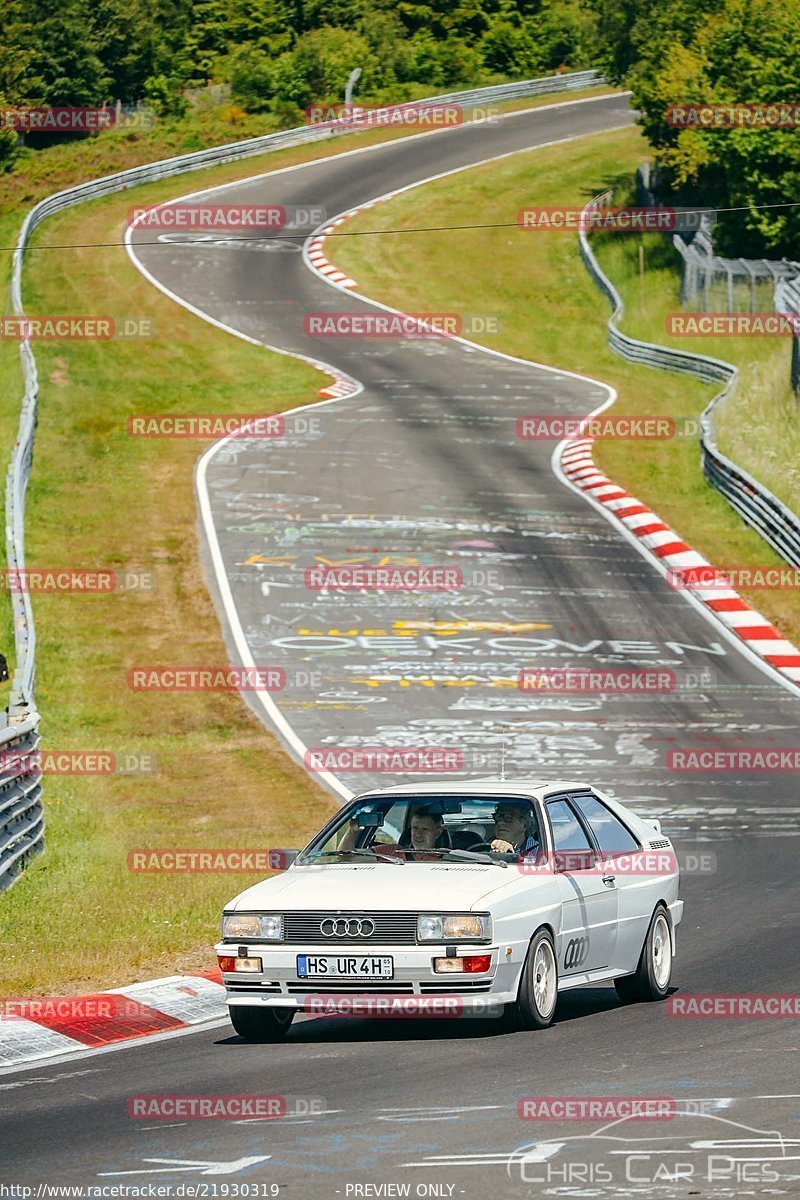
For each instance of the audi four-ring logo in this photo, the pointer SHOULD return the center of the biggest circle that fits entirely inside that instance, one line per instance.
(347, 927)
(576, 953)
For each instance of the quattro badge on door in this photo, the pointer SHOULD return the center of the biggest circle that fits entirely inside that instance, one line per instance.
(576, 953)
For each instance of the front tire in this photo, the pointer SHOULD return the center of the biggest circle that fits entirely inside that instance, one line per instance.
(538, 987)
(261, 1024)
(650, 981)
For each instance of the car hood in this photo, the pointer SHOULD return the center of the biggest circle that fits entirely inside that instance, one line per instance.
(378, 887)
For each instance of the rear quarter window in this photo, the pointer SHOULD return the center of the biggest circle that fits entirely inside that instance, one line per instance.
(613, 837)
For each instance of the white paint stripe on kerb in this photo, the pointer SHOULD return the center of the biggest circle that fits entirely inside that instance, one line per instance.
(28, 1041)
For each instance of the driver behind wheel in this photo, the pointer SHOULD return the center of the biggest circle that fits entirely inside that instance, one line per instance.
(515, 829)
(425, 832)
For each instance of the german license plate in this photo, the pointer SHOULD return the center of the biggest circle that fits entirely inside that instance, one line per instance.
(344, 966)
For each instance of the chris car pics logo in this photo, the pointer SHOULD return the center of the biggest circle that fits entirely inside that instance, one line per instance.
(696, 1152)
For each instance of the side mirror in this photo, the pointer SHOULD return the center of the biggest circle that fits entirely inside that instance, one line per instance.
(279, 860)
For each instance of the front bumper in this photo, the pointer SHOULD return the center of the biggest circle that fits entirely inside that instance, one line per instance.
(279, 984)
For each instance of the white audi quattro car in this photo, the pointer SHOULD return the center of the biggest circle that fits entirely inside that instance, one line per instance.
(497, 894)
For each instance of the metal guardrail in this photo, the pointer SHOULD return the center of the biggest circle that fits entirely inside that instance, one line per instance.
(762, 510)
(19, 841)
(21, 813)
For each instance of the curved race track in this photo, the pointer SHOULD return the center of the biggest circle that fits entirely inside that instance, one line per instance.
(423, 461)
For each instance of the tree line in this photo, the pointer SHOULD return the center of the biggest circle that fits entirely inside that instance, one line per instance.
(279, 56)
(723, 53)
(277, 53)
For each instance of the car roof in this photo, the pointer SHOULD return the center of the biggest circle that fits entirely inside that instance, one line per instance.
(481, 787)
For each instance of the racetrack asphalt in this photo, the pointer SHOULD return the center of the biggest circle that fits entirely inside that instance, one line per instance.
(424, 461)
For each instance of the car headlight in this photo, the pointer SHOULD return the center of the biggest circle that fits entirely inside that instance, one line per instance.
(267, 927)
(461, 927)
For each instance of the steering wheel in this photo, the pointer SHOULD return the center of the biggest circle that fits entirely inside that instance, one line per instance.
(478, 846)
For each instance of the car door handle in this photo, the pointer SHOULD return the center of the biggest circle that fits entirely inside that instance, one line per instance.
(610, 880)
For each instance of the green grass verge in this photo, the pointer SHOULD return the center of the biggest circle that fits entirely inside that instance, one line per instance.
(550, 311)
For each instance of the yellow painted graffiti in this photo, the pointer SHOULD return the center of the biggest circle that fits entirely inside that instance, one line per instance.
(442, 629)
(273, 560)
(446, 627)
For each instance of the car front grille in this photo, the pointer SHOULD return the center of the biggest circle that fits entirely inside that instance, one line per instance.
(391, 928)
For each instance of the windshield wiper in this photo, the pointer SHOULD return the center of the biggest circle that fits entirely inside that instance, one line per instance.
(478, 856)
(372, 854)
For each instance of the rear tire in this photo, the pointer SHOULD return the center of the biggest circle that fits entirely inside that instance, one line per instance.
(650, 981)
(538, 987)
(261, 1024)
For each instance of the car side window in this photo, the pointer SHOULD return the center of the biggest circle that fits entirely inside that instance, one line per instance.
(612, 836)
(567, 832)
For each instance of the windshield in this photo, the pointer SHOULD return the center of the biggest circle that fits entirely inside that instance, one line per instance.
(398, 829)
